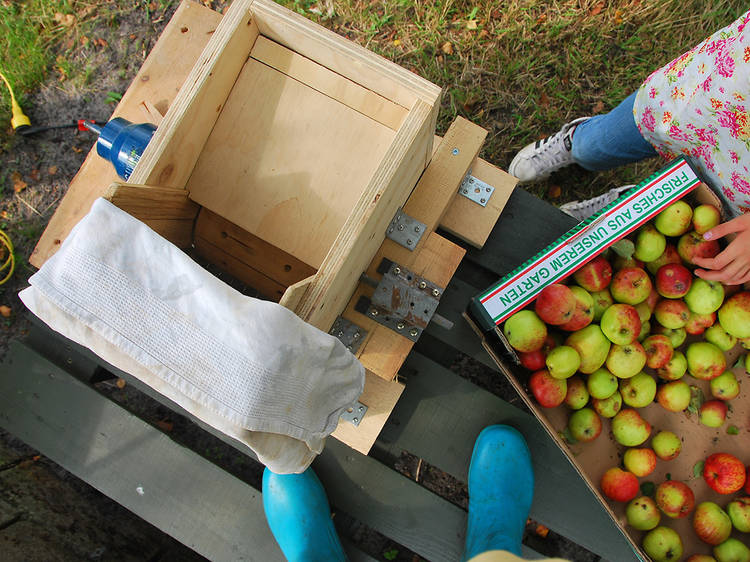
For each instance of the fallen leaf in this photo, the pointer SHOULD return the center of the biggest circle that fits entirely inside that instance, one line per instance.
(76, 149)
(34, 174)
(732, 430)
(85, 41)
(52, 170)
(541, 531)
(447, 48)
(66, 20)
(165, 425)
(18, 183)
(698, 469)
(648, 488)
(596, 10)
(554, 191)
(471, 24)
(541, 19)
(120, 383)
(440, 59)
(5, 311)
(544, 100)
(598, 107)
(484, 33)
(396, 42)
(132, 36)
(4, 215)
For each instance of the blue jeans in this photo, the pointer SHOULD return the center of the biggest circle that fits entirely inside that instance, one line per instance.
(610, 140)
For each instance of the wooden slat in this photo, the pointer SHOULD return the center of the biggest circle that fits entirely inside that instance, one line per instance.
(364, 230)
(294, 293)
(384, 350)
(344, 57)
(158, 81)
(329, 83)
(287, 163)
(257, 254)
(439, 418)
(471, 222)
(125, 458)
(380, 397)
(171, 155)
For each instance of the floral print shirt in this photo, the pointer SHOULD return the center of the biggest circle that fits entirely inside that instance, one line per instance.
(698, 105)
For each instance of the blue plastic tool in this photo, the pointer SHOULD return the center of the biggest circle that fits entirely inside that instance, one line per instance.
(122, 143)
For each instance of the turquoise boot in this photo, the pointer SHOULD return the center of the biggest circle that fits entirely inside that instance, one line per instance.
(501, 486)
(299, 517)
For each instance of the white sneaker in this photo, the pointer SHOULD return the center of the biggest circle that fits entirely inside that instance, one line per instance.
(584, 209)
(536, 161)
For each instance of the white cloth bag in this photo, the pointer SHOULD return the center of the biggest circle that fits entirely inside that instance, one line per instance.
(247, 367)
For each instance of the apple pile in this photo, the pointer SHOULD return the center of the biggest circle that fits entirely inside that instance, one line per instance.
(613, 338)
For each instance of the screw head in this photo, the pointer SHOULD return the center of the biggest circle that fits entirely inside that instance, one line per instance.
(488, 189)
(340, 334)
(435, 293)
(357, 335)
(413, 332)
(396, 270)
(401, 227)
(464, 191)
(471, 180)
(400, 326)
(422, 285)
(483, 201)
(455, 151)
(417, 229)
(373, 313)
(355, 420)
(390, 230)
(408, 242)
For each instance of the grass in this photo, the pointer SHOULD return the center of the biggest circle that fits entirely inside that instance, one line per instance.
(518, 68)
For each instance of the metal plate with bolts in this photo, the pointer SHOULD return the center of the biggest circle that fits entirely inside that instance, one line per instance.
(349, 333)
(403, 301)
(354, 415)
(405, 230)
(476, 190)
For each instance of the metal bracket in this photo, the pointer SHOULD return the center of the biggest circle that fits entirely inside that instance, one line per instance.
(476, 190)
(403, 301)
(349, 333)
(355, 414)
(405, 230)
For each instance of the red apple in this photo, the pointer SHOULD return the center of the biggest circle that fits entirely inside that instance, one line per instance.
(669, 255)
(548, 391)
(640, 462)
(630, 285)
(659, 351)
(594, 275)
(713, 413)
(583, 314)
(724, 473)
(692, 245)
(672, 313)
(619, 485)
(711, 523)
(621, 324)
(532, 360)
(675, 499)
(555, 304)
(698, 323)
(673, 280)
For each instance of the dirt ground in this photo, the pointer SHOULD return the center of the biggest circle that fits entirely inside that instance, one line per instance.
(46, 513)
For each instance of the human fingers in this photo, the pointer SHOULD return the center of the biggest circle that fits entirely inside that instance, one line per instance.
(735, 225)
(720, 261)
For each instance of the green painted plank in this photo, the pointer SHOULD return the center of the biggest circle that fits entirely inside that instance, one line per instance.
(120, 455)
(440, 415)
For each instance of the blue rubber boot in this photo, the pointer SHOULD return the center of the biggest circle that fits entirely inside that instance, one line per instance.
(299, 516)
(501, 486)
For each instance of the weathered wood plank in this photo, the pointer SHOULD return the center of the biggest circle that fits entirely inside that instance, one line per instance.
(440, 415)
(125, 458)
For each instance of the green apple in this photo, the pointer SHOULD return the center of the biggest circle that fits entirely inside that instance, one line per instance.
(645, 331)
(674, 396)
(705, 360)
(719, 337)
(669, 255)
(608, 407)
(711, 523)
(638, 391)
(675, 220)
(625, 361)
(705, 217)
(713, 413)
(577, 395)
(525, 331)
(666, 445)
(734, 315)
(631, 285)
(704, 297)
(563, 361)
(642, 514)
(639, 461)
(584, 425)
(675, 369)
(739, 512)
(649, 244)
(644, 311)
(725, 386)
(732, 550)
(602, 300)
(629, 428)
(676, 336)
(601, 384)
(592, 345)
(663, 544)
(672, 313)
(621, 324)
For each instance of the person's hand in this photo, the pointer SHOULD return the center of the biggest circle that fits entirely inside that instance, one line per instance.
(731, 266)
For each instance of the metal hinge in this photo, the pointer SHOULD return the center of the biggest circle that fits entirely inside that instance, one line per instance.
(355, 414)
(475, 189)
(405, 230)
(348, 333)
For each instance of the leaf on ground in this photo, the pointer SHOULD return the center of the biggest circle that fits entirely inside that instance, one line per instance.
(34, 174)
(76, 149)
(18, 183)
(52, 170)
(66, 20)
(471, 24)
(598, 107)
(554, 191)
(698, 469)
(484, 33)
(740, 362)
(390, 554)
(597, 9)
(696, 400)
(544, 100)
(5, 311)
(165, 425)
(120, 383)
(732, 430)
(648, 489)
(447, 48)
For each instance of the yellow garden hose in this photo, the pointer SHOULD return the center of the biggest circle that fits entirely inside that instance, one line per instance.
(18, 117)
(10, 261)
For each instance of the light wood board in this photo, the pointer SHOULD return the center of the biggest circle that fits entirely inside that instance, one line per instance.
(294, 169)
(158, 81)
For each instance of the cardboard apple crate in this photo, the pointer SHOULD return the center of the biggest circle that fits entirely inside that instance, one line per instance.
(593, 459)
